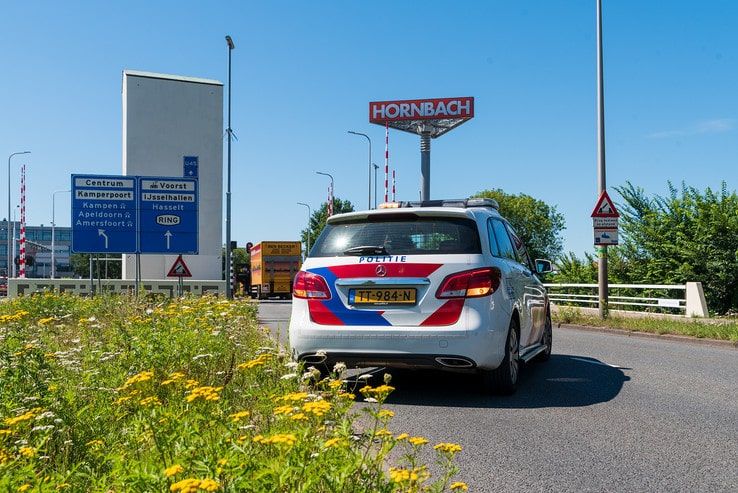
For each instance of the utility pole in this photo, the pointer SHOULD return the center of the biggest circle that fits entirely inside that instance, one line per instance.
(601, 176)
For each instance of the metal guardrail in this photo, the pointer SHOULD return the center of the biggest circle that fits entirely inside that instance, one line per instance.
(692, 304)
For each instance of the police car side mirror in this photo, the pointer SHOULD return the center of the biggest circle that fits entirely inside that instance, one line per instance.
(543, 266)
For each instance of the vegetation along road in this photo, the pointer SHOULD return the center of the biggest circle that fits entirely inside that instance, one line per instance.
(607, 412)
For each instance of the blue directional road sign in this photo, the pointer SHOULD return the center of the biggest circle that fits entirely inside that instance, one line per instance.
(168, 214)
(104, 216)
(190, 165)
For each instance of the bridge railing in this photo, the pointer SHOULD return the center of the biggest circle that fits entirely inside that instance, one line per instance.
(685, 299)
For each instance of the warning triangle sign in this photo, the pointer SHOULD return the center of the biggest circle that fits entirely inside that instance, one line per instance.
(605, 207)
(179, 269)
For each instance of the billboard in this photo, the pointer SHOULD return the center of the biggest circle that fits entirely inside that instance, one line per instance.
(421, 109)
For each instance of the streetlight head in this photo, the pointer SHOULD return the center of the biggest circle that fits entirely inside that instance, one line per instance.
(231, 46)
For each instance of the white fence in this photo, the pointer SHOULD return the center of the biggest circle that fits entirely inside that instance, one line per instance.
(688, 298)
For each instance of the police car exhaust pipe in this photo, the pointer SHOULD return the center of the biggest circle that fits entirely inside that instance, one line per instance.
(455, 362)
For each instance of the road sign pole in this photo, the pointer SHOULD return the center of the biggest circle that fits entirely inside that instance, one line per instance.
(601, 177)
(92, 280)
(138, 273)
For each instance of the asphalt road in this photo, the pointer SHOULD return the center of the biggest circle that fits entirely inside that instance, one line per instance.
(607, 413)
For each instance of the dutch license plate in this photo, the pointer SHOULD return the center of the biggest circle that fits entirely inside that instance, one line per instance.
(386, 296)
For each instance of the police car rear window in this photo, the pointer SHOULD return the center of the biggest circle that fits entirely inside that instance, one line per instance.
(402, 235)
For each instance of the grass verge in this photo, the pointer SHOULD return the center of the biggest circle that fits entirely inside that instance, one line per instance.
(115, 394)
(725, 330)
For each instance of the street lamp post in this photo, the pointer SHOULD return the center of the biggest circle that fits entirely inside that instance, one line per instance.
(369, 206)
(53, 231)
(229, 274)
(330, 205)
(9, 157)
(376, 167)
(601, 181)
(310, 215)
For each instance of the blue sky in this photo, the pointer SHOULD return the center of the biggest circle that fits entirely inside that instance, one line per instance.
(304, 73)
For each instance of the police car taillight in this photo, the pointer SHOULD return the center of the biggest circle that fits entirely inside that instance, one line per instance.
(470, 283)
(310, 286)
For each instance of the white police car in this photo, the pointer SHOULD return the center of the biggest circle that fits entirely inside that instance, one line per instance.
(438, 284)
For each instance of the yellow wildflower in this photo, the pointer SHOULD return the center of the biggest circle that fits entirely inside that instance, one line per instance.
(335, 384)
(174, 377)
(331, 442)
(206, 393)
(27, 452)
(283, 410)
(192, 485)
(459, 486)
(294, 397)
(385, 413)
(144, 376)
(46, 320)
(150, 401)
(191, 383)
(299, 417)
(62, 486)
(402, 436)
(6, 432)
(450, 448)
(383, 433)
(317, 408)
(279, 439)
(347, 395)
(173, 470)
(95, 443)
(236, 417)
(417, 441)
(121, 400)
(23, 417)
(24, 487)
(401, 475)
(258, 361)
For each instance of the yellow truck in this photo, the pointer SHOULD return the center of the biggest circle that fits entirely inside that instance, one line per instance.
(274, 265)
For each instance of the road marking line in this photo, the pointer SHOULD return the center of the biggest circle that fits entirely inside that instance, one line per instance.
(596, 362)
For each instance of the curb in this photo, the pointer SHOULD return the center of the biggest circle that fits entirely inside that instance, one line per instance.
(651, 335)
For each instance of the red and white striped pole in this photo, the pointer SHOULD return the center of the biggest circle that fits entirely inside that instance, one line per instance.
(22, 263)
(394, 194)
(386, 161)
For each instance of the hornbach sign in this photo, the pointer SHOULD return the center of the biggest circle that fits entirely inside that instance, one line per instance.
(421, 109)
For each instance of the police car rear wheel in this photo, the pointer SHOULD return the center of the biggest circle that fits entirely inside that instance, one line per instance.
(504, 379)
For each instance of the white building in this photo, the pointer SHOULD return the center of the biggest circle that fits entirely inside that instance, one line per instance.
(165, 118)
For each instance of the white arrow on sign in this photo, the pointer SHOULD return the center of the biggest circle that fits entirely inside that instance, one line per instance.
(101, 232)
(168, 235)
